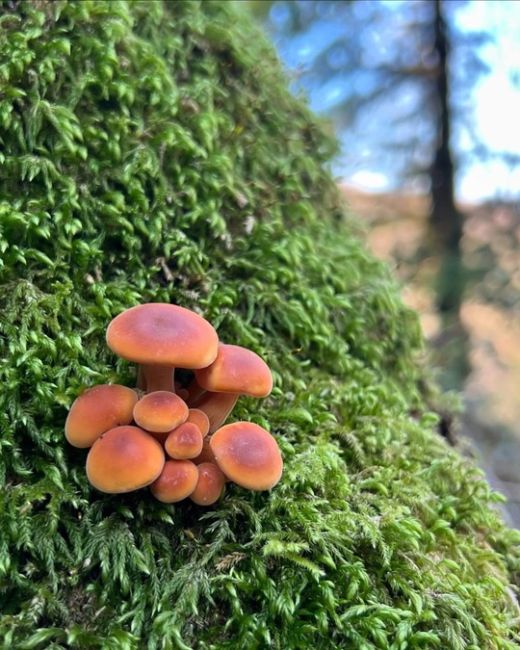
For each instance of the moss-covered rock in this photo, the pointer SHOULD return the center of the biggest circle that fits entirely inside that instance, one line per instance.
(150, 151)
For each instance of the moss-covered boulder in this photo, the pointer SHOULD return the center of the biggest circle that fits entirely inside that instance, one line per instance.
(150, 151)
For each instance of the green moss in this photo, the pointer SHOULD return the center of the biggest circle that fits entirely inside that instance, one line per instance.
(151, 151)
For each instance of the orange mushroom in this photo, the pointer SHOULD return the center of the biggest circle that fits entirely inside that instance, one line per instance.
(124, 459)
(160, 337)
(248, 455)
(209, 486)
(199, 418)
(97, 410)
(160, 411)
(236, 371)
(177, 481)
(184, 442)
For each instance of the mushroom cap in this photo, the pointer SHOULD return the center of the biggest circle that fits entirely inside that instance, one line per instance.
(210, 485)
(124, 459)
(199, 418)
(184, 442)
(177, 481)
(163, 334)
(97, 410)
(248, 455)
(160, 411)
(236, 370)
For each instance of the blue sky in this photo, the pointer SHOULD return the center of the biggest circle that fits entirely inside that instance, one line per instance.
(495, 100)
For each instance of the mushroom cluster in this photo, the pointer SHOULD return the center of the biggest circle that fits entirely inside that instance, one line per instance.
(168, 433)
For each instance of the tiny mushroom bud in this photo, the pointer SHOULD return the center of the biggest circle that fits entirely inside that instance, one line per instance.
(124, 459)
(160, 337)
(183, 393)
(209, 486)
(248, 455)
(177, 481)
(160, 411)
(236, 371)
(97, 410)
(184, 442)
(199, 418)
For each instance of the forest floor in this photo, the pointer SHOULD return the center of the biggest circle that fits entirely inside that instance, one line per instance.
(490, 315)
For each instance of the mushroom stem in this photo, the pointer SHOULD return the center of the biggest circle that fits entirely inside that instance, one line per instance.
(141, 382)
(217, 406)
(180, 391)
(157, 377)
(195, 391)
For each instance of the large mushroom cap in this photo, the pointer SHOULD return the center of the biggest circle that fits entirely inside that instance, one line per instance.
(177, 481)
(236, 370)
(97, 410)
(248, 455)
(124, 459)
(163, 334)
(160, 411)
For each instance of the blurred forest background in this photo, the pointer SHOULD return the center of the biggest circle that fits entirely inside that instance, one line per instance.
(425, 99)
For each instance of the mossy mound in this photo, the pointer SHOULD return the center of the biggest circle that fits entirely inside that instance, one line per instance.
(150, 151)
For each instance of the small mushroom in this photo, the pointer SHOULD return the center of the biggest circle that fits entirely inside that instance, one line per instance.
(248, 455)
(124, 459)
(184, 442)
(97, 410)
(236, 371)
(160, 411)
(177, 481)
(160, 337)
(209, 486)
(199, 418)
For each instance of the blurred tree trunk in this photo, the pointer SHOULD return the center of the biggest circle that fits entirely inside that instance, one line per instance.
(445, 217)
